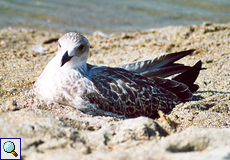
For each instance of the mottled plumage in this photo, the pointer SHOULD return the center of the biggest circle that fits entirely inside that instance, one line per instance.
(137, 89)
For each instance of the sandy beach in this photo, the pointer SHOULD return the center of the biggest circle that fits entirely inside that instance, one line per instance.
(54, 131)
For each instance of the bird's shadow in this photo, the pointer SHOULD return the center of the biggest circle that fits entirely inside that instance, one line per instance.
(199, 97)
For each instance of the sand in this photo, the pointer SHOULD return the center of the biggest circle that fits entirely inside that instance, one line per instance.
(54, 131)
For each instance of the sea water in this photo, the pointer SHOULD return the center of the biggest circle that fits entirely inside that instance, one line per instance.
(110, 15)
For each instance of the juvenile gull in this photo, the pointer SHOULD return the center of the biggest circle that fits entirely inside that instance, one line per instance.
(137, 89)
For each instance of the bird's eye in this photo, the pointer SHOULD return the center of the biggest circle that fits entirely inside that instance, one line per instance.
(81, 47)
(59, 45)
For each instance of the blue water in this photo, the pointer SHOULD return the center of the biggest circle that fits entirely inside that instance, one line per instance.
(110, 15)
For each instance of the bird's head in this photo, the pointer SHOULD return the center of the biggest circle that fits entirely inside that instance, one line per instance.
(73, 49)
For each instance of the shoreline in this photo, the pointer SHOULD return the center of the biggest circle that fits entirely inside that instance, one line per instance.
(203, 124)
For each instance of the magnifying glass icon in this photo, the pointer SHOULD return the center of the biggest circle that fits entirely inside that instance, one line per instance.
(9, 147)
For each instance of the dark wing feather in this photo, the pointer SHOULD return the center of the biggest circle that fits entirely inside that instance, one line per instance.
(165, 71)
(89, 66)
(189, 77)
(180, 89)
(151, 65)
(129, 94)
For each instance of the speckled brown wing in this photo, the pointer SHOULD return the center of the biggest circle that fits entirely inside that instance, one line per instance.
(130, 94)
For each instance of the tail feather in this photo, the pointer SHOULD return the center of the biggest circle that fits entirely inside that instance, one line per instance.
(189, 77)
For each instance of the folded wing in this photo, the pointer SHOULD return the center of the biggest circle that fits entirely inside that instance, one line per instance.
(123, 92)
(165, 66)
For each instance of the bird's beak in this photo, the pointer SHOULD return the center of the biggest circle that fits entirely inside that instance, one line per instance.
(65, 58)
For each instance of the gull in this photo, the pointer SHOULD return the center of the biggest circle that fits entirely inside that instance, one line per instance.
(131, 90)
